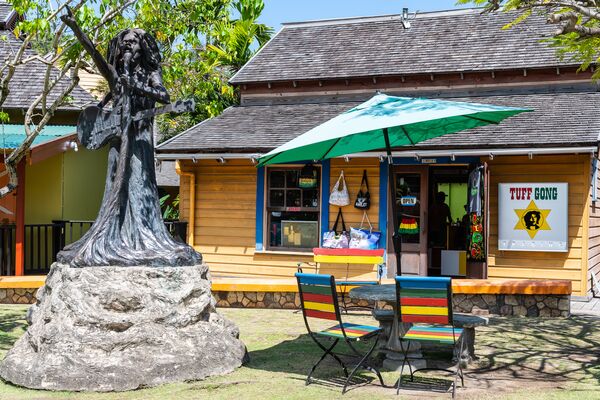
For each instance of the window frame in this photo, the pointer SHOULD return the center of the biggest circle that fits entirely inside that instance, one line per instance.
(267, 247)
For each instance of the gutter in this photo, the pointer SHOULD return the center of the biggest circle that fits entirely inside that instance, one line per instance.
(192, 216)
(526, 151)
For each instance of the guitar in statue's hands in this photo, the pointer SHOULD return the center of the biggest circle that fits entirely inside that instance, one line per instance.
(97, 126)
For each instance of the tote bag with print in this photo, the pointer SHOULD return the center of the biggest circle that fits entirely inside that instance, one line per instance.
(339, 195)
(365, 239)
(363, 199)
(334, 240)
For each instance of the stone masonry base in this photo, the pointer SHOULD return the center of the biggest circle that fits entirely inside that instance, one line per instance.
(17, 296)
(522, 305)
(489, 304)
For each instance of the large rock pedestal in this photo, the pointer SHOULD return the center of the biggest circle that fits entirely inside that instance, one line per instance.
(123, 328)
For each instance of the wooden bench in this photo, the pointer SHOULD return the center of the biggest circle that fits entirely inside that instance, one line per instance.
(349, 257)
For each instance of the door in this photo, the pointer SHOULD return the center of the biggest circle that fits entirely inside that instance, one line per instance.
(412, 202)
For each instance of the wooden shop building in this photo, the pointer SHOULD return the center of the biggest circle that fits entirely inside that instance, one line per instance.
(540, 218)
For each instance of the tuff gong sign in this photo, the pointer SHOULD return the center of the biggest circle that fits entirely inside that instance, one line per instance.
(533, 216)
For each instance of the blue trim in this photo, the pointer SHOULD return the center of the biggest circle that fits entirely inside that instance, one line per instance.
(325, 185)
(383, 202)
(313, 279)
(423, 282)
(438, 160)
(260, 207)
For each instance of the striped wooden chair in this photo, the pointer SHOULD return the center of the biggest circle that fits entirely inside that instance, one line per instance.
(426, 302)
(319, 301)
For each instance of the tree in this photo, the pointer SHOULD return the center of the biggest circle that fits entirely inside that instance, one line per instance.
(202, 71)
(577, 24)
(183, 29)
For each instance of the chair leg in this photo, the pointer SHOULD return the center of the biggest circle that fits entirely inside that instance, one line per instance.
(458, 369)
(327, 351)
(404, 361)
(360, 364)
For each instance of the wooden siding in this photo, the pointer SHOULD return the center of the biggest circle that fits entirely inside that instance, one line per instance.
(571, 265)
(594, 232)
(353, 171)
(226, 211)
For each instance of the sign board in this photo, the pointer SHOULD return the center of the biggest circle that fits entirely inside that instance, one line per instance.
(533, 216)
(408, 201)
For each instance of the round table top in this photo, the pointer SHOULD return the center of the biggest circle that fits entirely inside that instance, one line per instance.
(385, 293)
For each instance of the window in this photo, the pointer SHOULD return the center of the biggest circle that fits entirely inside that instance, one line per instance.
(293, 207)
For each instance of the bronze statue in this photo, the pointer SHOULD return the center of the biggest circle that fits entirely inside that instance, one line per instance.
(129, 229)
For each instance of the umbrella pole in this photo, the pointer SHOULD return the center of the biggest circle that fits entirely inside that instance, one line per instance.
(396, 239)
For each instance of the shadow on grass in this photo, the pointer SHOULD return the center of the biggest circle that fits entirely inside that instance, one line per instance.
(296, 357)
(12, 326)
(512, 351)
(551, 350)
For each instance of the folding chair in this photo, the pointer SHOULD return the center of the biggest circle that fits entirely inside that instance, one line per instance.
(425, 300)
(348, 257)
(318, 300)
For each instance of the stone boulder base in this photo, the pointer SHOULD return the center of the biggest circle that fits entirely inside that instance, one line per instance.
(123, 328)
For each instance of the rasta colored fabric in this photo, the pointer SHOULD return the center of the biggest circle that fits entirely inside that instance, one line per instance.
(318, 296)
(476, 241)
(408, 226)
(353, 331)
(441, 334)
(424, 299)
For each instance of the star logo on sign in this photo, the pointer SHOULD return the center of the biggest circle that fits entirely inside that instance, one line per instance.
(532, 219)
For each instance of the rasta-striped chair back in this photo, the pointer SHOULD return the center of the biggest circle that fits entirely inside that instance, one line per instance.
(424, 299)
(318, 297)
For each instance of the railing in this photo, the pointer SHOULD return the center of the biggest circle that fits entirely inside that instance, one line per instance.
(44, 241)
(7, 249)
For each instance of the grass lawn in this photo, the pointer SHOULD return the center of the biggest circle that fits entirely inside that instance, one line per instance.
(520, 359)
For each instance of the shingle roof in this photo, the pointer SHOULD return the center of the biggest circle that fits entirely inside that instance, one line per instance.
(568, 119)
(27, 81)
(454, 41)
(5, 11)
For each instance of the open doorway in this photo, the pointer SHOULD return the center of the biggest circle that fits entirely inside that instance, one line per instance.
(441, 236)
(448, 221)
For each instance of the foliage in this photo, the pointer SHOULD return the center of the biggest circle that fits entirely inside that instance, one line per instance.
(202, 43)
(170, 210)
(578, 24)
(201, 68)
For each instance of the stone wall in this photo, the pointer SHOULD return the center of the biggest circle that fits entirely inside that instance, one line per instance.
(485, 304)
(517, 305)
(17, 296)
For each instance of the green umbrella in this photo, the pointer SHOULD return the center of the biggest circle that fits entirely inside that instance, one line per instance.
(386, 122)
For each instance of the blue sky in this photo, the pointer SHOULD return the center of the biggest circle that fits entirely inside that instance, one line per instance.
(278, 11)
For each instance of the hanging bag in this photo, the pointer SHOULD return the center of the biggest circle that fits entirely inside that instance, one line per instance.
(334, 240)
(363, 199)
(339, 196)
(366, 239)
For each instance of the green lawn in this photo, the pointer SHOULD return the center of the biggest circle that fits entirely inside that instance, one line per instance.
(520, 359)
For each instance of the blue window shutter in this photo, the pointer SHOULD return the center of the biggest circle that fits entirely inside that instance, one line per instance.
(325, 184)
(260, 207)
(383, 202)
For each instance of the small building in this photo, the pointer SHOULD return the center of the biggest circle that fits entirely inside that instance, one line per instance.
(540, 217)
(60, 182)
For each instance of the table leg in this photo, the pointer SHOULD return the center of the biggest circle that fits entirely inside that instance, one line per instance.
(394, 356)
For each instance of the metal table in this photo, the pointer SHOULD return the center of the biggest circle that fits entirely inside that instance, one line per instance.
(392, 350)
(387, 294)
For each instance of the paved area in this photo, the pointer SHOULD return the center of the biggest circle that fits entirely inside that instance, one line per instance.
(591, 307)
